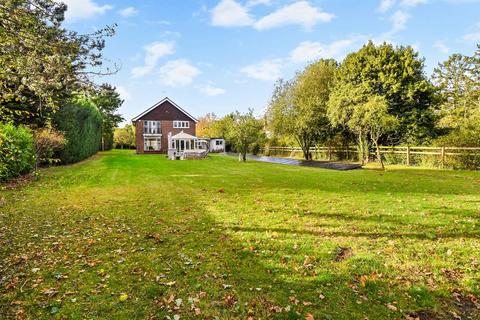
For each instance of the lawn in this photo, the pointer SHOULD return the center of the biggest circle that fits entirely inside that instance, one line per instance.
(125, 236)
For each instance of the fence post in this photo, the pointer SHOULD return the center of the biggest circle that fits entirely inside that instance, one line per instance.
(443, 156)
(408, 155)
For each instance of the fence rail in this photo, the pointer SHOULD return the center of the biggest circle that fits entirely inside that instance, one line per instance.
(447, 156)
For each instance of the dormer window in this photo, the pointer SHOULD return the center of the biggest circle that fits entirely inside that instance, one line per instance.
(181, 124)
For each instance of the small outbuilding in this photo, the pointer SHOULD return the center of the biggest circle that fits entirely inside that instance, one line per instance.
(217, 145)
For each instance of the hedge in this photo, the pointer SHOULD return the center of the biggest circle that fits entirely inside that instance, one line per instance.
(16, 151)
(81, 124)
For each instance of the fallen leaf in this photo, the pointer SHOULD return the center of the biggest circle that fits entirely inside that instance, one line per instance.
(391, 307)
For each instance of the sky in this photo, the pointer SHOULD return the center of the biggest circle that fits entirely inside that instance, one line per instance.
(225, 55)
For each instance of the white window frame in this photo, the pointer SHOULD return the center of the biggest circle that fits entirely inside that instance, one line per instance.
(151, 127)
(158, 140)
(177, 124)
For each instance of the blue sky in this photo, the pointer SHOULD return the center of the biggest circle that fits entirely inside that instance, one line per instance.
(220, 56)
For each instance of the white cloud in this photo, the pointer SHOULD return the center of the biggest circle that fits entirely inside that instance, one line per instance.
(177, 73)
(399, 21)
(124, 93)
(308, 50)
(127, 12)
(83, 9)
(441, 47)
(266, 70)
(228, 13)
(413, 3)
(386, 5)
(154, 52)
(299, 13)
(473, 37)
(252, 3)
(211, 91)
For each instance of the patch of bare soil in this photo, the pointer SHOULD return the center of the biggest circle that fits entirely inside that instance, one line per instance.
(466, 307)
(17, 183)
(343, 253)
(422, 315)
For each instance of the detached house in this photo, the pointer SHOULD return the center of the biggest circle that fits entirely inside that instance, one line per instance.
(167, 128)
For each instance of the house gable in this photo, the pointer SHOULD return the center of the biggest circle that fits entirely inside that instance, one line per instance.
(167, 110)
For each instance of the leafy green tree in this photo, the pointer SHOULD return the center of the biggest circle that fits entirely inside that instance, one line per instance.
(124, 137)
(298, 108)
(246, 130)
(397, 73)
(223, 126)
(108, 100)
(458, 80)
(372, 119)
(42, 62)
(340, 109)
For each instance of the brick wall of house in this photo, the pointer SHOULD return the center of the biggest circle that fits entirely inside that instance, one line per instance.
(166, 126)
(139, 136)
(166, 113)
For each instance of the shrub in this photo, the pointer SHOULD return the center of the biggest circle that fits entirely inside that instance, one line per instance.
(46, 142)
(466, 136)
(16, 151)
(81, 124)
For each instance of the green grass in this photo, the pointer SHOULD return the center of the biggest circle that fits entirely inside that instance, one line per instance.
(124, 236)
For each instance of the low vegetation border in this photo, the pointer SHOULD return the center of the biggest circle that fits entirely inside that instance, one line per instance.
(441, 157)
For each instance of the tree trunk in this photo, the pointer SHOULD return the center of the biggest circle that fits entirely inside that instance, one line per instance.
(36, 166)
(379, 155)
(361, 152)
(306, 151)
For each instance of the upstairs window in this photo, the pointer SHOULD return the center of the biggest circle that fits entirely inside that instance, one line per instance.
(151, 127)
(181, 124)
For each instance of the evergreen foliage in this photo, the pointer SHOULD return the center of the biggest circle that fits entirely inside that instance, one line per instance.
(81, 123)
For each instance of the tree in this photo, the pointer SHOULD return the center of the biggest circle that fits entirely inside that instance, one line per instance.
(397, 73)
(42, 63)
(206, 125)
(124, 137)
(298, 108)
(372, 118)
(458, 80)
(340, 109)
(246, 131)
(108, 100)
